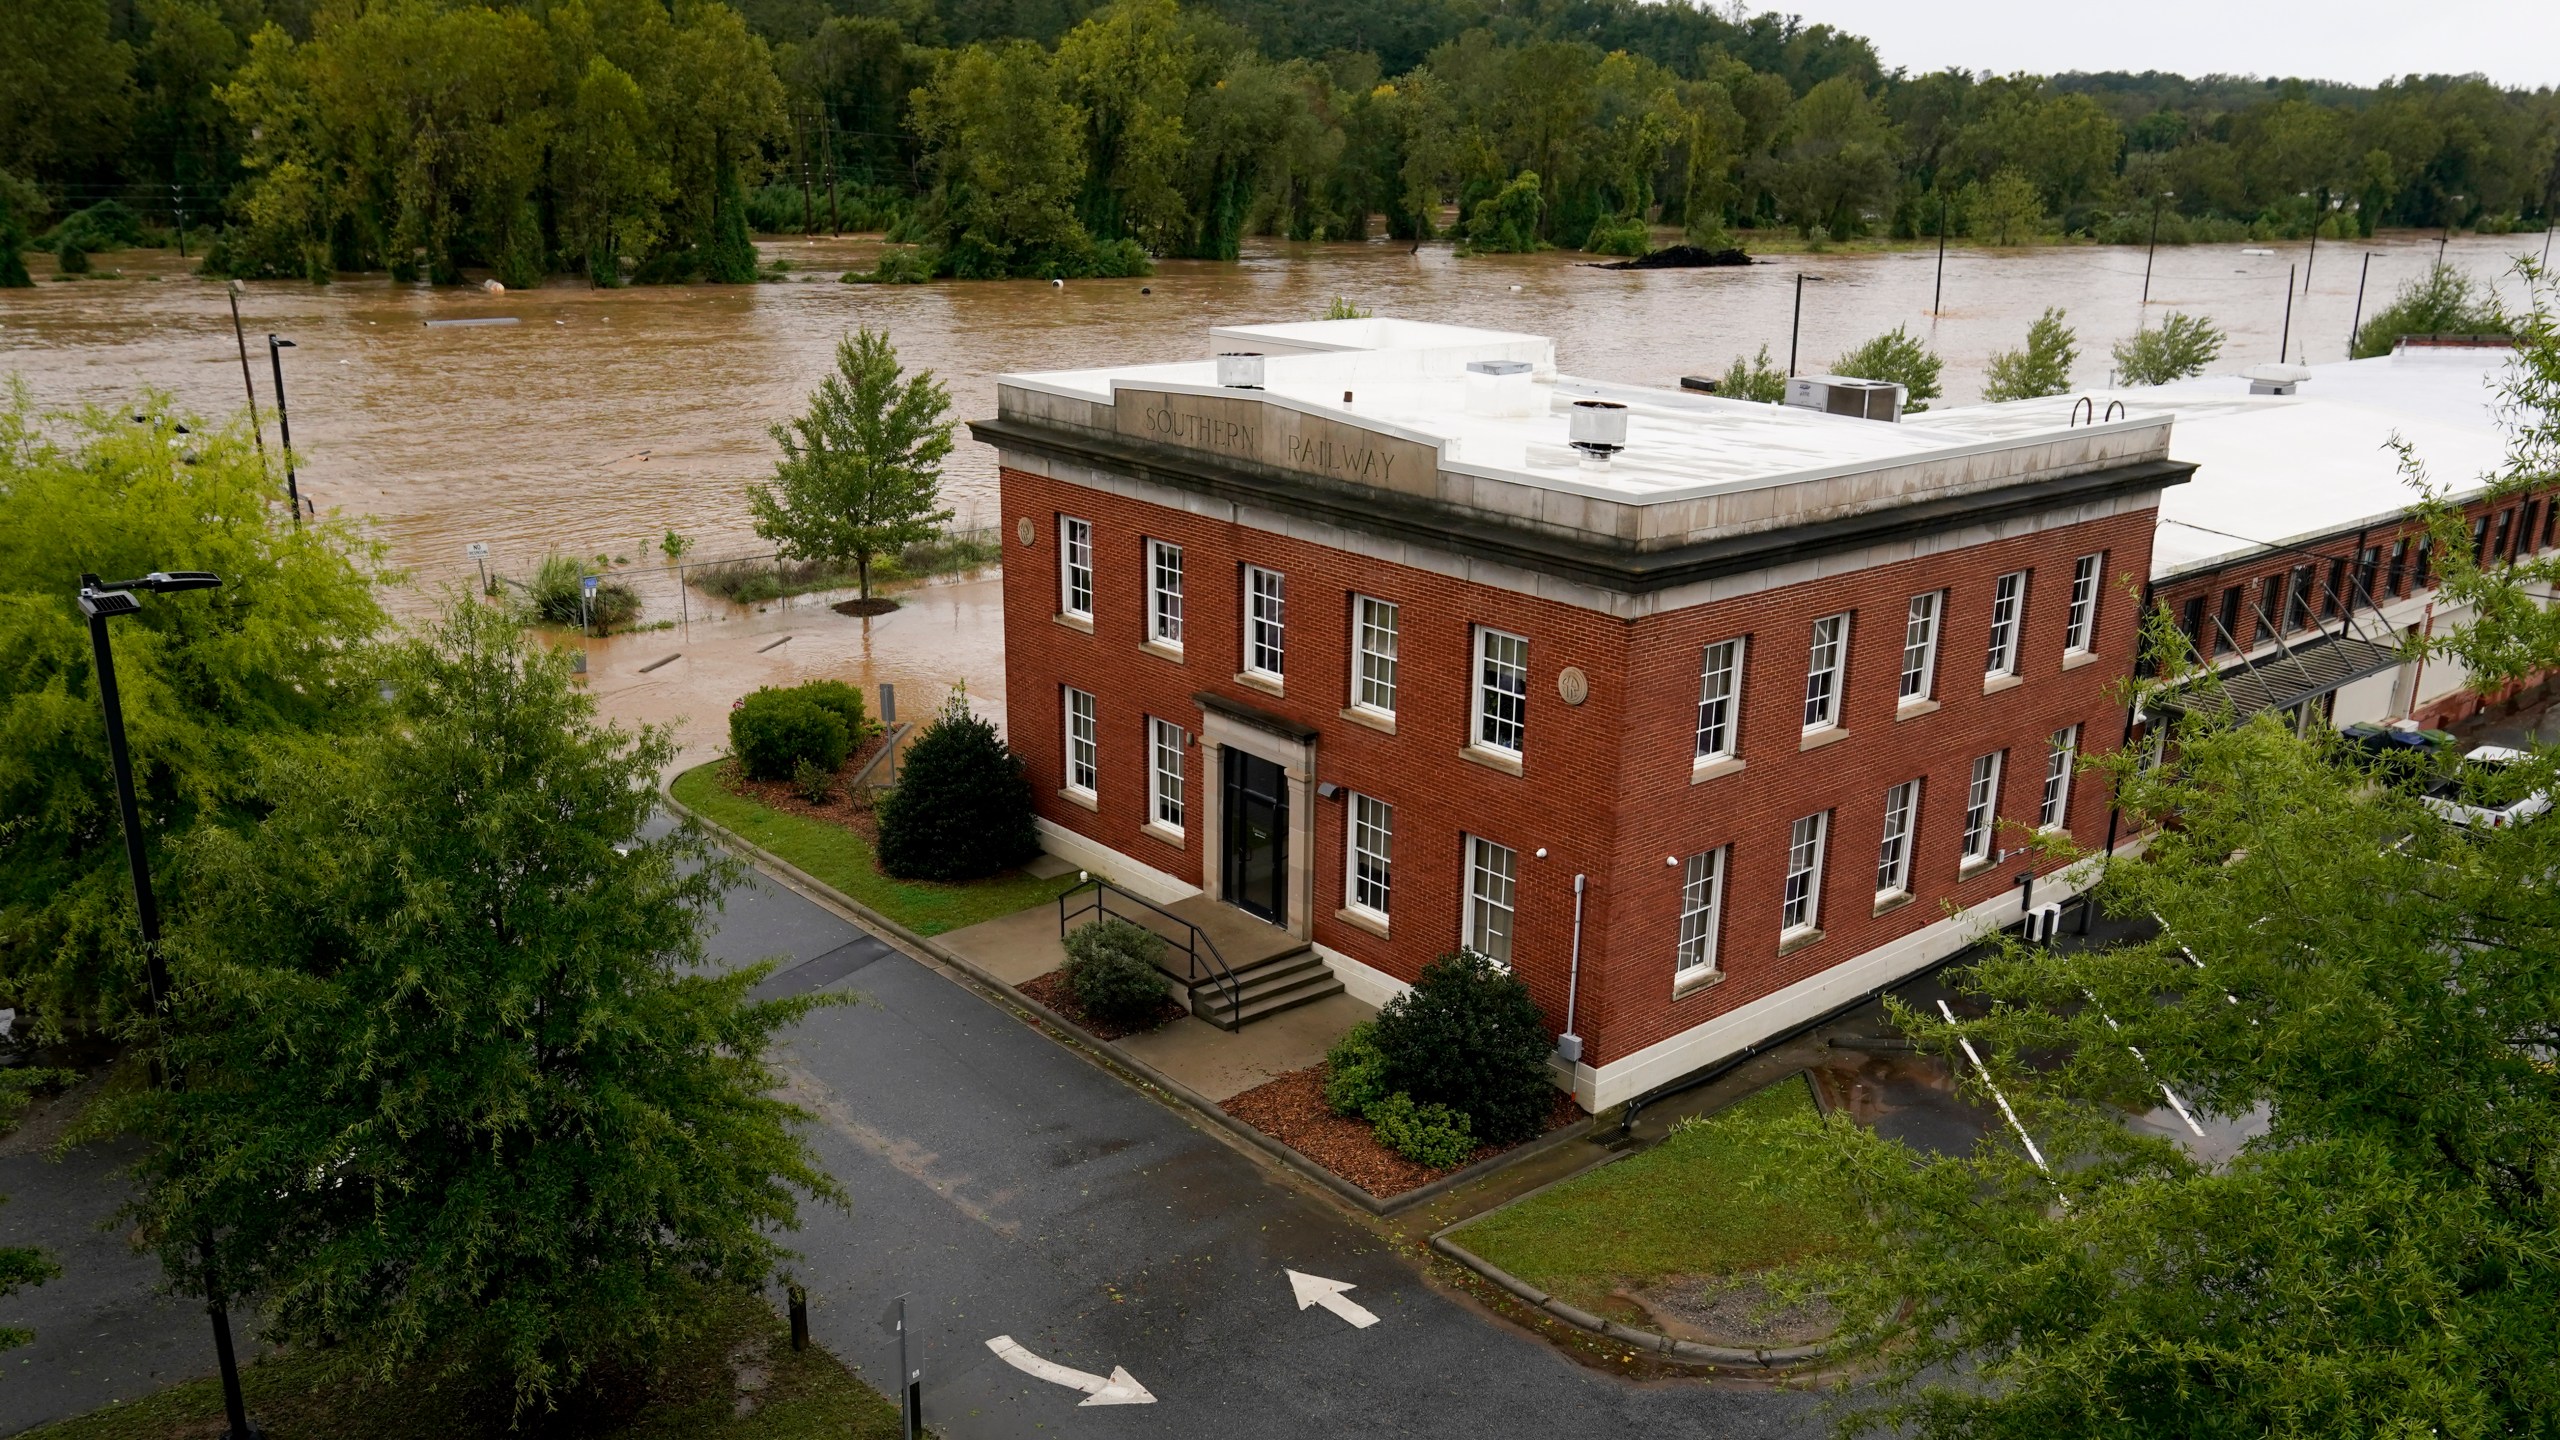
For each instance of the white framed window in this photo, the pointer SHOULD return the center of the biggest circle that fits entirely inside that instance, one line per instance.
(2082, 625)
(1502, 690)
(1075, 567)
(2055, 806)
(1828, 657)
(1719, 699)
(1701, 910)
(1266, 620)
(2008, 602)
(1493, 873)
(1920, 645)
(1084, 734)
(1373, 841)
(1373, 654)
(1802, 906)
(1981, 798)
(1164, 594)
(1893, 852)
(1166, 743)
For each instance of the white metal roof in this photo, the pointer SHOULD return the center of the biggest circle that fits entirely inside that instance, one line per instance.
(2282, 469)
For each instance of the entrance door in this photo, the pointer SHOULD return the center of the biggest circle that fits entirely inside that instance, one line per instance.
(1254, 874)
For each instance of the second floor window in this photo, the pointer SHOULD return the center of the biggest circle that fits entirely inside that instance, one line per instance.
(2055, 806)
(2397, 580)
(1825, 661)
(1893, 851)
(1266, 620)
(1373, 838)
(1719, 692)
(1701, 901)
(1373, 645)
(1164, 594)
(2426, 561)
(1502, 690)
(1801, 908)
(2226, 631)
(2008, 603)
(1075, 560)
(1981, 798)
(1920, 646)
(1167, 741)
(2297, 600)
(1083, 741)
(2081, 626)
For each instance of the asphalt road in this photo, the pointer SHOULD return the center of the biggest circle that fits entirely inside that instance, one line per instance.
(1009, 1187)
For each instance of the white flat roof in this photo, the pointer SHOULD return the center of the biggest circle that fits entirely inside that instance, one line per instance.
(2283, 469)
(1409, 378)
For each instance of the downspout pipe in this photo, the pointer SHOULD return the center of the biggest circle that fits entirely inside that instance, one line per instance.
(1569, 1044)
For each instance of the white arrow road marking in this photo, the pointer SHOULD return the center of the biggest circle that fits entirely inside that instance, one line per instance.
(1121, 1389)
(1317, 1290)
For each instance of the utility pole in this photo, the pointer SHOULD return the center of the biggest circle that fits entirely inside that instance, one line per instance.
(2319, 212)
(835, 207)
(800, 141)
(231, 288)
(1938, 296)
(284, 426)
(2154, 247)
(2357, 325)
(1796, 327)
(2286, 341)
(178, 200)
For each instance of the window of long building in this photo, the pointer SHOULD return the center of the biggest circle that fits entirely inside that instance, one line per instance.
(2397, 581)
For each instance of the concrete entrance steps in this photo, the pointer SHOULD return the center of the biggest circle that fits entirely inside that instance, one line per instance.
(1274, 970)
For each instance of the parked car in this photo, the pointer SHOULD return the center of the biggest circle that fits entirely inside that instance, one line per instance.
(2485, 792)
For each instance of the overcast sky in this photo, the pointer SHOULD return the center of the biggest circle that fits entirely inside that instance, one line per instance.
(2514, 42)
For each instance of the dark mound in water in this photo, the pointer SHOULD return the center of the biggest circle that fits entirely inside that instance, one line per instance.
(1680, 257)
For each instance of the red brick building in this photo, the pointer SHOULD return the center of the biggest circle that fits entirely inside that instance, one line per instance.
(1753, 714)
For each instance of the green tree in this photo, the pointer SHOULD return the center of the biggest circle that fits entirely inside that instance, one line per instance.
(962, 807)
(1002, 144)
(1898, 356)
(2182, 346)
(1125, 68)
(861, 471)
(461, 1089)
(2042, 368)
(66, 86)
(2007, 211)
(1506, 222)
(1753, 379)
(2365, 991)
(2443, 302)
(615, 186)
(207, 678)
(1833, 162)
(18, 200)
(22, 1266)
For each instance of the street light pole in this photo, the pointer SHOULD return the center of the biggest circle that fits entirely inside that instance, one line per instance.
(101, 603)
(2285, 342)
(2153, 248)
(1796, 327)
(1938, 297)
(2363, 274)
(241, 338)
(284, 425)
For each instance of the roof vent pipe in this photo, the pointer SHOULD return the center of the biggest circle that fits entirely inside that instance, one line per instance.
(1597, 428)
(1240, 370)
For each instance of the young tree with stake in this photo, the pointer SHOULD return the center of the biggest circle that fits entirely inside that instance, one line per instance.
(861, 473)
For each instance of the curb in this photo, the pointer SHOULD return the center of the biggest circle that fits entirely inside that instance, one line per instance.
(1070, 1032)
(1769, 1358)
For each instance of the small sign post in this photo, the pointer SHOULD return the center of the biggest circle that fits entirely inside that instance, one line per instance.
(910, 1376)
(889, 723)
(477, 552)
(586, 605)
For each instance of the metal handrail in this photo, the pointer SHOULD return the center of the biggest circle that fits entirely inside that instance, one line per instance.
(1099, 903)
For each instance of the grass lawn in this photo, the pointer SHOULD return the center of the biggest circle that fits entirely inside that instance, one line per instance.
(843, 859)
(744, 1355)
(1687, 1206)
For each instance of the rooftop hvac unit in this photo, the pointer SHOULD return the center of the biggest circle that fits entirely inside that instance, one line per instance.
(1240, 370)
(1846, 395)
(1502, 388)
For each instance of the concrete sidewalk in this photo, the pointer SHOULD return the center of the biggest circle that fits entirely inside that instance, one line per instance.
(1217, 1064)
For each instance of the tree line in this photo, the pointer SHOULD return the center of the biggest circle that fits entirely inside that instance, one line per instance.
(641, 139)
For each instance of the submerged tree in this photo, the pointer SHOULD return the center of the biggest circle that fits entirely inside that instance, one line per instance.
(861, 473)
(2361, 994)
(2443, 302)
(2042, 368)
(1898, 356)
(2182, 346)
(1753, 378)
(461, 1091)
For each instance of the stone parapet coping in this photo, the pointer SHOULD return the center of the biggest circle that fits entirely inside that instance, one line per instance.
(1115, 1058)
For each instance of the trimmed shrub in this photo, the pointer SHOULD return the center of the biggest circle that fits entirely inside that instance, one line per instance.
(1355, 1071)
(844, 702)
(1111, 967)
(1423, 1133)
(1469, 1037)
(774, 732)
(962, 808)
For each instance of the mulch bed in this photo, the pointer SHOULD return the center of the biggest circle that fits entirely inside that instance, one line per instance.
(1053, 991)
(1290, 1109)
(844, 807)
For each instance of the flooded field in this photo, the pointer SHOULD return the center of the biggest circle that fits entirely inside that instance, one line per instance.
(601, 419)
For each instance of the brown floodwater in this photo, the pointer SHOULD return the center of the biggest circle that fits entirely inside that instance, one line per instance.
(603, 418)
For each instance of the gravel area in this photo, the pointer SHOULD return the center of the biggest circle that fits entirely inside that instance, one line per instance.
(1290, 1109)
(1053, 991)
(1727, 1312)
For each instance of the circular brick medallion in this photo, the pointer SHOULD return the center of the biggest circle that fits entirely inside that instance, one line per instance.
(1573, 685)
